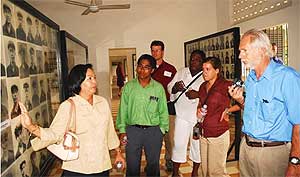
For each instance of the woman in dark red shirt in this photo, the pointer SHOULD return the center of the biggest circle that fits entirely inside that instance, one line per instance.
(215, 138)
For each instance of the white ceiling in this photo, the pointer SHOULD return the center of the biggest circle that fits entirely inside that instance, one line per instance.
(69, 17)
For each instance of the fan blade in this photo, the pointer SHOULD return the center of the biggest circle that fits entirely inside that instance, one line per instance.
(87, 11)
(121, 6)
(76, 3)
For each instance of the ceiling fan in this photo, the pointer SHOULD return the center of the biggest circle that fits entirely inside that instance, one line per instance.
(96, 5)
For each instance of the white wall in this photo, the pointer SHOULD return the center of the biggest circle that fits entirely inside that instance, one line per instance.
(174, 23)
(289, 15)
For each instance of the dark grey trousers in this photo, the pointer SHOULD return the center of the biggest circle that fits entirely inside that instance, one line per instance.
(149, 139)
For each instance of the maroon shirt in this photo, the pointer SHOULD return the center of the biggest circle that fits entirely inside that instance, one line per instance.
(217, 101)
(164, 74)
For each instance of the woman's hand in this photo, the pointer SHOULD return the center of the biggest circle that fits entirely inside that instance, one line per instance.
(25, 118)
(225, 116)
(119, 158)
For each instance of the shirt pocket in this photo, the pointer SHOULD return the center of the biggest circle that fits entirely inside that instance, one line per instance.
(266, 110)
(152, 106)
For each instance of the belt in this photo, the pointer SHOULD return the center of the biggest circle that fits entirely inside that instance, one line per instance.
(142, 126)
(261, 143)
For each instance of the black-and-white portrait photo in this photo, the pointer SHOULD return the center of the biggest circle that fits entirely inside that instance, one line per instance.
(22, 138)
(44, 112)
(37, 37)
(7, 152)
(43, 91)
(40, 61)
(226, 57)
(8, 28)
(20, 29)
(27, 100)
(44, 35)
(35, 91)
(24, 67)
(33, 67)
(4, 101)
(15, 93)
(46, 64)
(3, 69)
(12, 69)
(49, 37)
(54, 39)
(24, 168)
(30, 30)
(34, 159)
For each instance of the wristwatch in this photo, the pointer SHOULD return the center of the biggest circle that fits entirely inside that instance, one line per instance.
(294, 160)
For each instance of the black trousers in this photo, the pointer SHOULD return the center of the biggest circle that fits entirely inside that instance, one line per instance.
(149, 139)
(67, 173)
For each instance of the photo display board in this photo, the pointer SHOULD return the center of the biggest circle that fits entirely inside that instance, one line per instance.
(223, 45)
(30, 73)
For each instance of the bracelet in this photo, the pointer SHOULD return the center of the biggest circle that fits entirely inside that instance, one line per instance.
(242, 102)
(36, 128)
(227, 112)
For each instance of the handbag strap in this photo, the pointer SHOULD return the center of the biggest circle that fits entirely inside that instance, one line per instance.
(72, 116)
(187, 87)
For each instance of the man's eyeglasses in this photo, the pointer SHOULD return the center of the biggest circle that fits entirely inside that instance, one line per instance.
(147, 67)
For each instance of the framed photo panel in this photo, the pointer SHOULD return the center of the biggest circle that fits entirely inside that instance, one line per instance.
(223, 45)
(30, 73)
(73, 52)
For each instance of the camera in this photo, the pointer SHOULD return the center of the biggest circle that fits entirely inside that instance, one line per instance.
(238, 83)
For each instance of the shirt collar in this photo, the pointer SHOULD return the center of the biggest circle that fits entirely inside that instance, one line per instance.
(267, 73)
(82, 101)
(150, 83)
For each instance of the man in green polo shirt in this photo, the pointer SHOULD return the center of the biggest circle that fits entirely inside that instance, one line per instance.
(143, 118)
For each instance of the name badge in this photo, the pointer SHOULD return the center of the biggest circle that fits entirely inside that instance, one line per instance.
(167, 73)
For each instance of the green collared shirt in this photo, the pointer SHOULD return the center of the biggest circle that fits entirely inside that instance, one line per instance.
(143, 106)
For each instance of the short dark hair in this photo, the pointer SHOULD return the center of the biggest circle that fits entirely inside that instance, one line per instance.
(28, 20)
(19, 14)
(21, 164)
(31, 50)
(18, 130)
(11, 45)
(199, 52)
(158, 43)
(14, 89)
(6, 9)
(214, 61)
(76, 77)
(25, 85)
(151, 60)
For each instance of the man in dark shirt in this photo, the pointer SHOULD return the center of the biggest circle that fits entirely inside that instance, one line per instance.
(275, 57)
(164, 74)
(20, 30)
(29, 35)
(12, 68)
(24, 68)
(8, 28)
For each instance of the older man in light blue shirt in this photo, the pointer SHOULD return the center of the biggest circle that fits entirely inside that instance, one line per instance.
(271, 146)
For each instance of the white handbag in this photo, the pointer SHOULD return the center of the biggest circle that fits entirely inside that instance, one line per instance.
(68, 149)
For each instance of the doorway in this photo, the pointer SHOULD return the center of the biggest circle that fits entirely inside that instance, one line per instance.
(126, 58)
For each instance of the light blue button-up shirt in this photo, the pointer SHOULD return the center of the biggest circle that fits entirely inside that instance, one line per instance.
(272, 104)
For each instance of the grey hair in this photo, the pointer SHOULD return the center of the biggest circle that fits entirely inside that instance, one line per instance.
(259, 39)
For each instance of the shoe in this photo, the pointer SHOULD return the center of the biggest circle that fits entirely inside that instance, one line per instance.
(169, 165)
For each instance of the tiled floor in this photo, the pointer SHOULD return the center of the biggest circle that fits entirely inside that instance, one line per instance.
(185, 169)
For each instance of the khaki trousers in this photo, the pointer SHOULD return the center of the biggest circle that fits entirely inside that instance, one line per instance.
(214, 154)
(263, 161)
